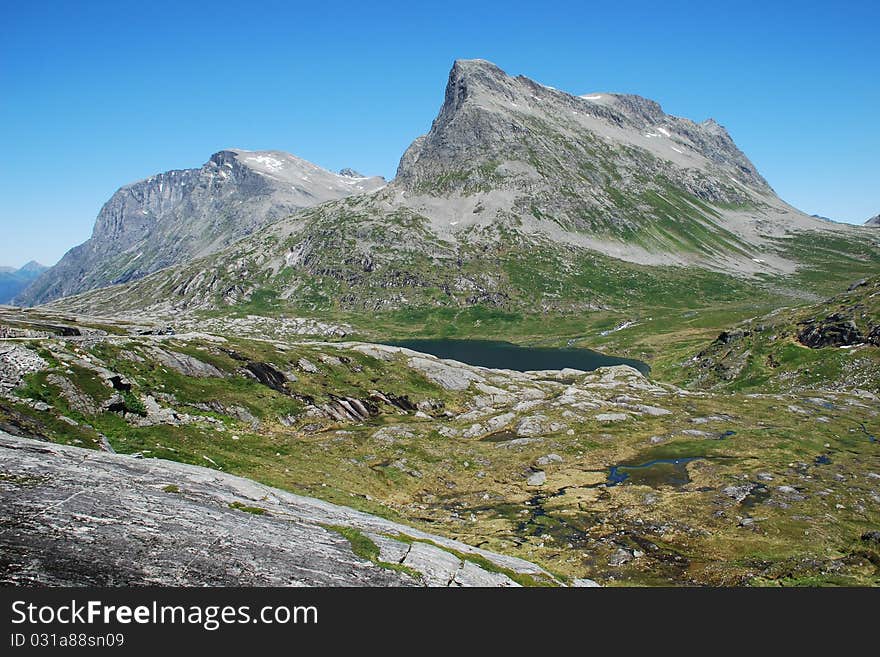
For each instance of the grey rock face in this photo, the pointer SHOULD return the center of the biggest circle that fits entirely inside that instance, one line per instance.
(444, 373)
(176, 216)
(531, 426)
(873, 221)
(620, 557)
(523, 135)
(445, 569)
(76, 398)
(549, 459)
(612, 417)
(74, 517)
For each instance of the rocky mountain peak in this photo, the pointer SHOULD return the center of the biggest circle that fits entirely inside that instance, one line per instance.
(491, 122)
(276, 165)
(873, 221)
(174, 216)
(472, 74)
(470, 79)
(507, 159)
(221, 158)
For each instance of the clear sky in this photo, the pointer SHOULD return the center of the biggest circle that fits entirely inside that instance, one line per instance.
(97, 94)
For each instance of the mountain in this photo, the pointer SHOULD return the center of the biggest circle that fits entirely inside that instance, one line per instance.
(609, 171)
(13, 281)
(873, 221)
(31, 268)
(175, 216)
(521, 197)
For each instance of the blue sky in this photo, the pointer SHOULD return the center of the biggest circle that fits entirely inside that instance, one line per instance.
(98, 94)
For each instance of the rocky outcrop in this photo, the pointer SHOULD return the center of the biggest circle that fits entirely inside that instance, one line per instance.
(758, 350)
(269, 376)
(833, 331)
(16, 361)
(184, 363)
(75, 517)
(76, 399)
(873, 221)
(259, 326)
(444, 373)
(175, 216)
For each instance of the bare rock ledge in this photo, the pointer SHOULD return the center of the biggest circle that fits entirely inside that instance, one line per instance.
(77, 517)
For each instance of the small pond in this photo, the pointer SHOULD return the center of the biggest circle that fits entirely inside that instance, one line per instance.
(659, 472)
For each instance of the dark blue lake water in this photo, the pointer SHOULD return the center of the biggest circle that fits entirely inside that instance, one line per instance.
(509, 356)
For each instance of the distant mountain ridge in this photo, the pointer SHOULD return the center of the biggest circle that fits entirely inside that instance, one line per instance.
(13, 281)
(178, 215)
(873, 221)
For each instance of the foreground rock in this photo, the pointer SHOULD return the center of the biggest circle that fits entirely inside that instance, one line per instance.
(78, 517)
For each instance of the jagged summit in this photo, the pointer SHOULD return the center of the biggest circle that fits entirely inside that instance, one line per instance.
(310, 179)
(873, 221)
(467, 78)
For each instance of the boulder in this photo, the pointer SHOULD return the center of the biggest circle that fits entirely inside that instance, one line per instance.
(548, 459)
(446, 374)
(612, 417)
(538, 478)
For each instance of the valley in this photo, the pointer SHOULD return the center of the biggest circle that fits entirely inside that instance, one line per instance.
(575, 332)
(604, 475)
